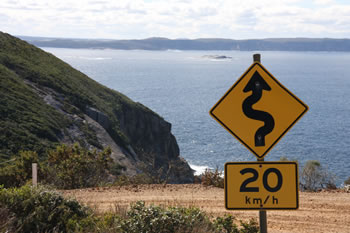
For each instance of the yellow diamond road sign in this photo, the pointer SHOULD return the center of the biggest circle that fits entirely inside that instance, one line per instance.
(258, 110)
(261, 185)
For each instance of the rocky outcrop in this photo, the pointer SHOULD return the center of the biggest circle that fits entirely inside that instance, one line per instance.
(119, 155)
(98, 116)
(154, 143)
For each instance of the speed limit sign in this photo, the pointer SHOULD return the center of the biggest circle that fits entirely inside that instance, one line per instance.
(261, 185)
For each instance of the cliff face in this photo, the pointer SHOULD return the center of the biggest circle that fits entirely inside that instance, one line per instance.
(153, 142)
(44, 101)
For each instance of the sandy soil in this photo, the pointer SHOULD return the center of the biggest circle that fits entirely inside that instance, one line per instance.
(318, 212)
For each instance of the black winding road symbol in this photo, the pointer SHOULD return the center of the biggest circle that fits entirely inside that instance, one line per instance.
(257, 84)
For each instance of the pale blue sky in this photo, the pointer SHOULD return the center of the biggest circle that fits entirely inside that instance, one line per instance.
(126, 19)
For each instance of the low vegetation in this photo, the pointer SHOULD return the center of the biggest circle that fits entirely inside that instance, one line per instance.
(30, 209)
(18, 171)
(315, 177)
(70, 167)
(66, 167)
(212, 178)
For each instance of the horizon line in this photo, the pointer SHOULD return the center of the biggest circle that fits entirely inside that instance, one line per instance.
(199, 38)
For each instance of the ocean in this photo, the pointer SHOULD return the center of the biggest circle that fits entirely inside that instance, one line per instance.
(182, 86)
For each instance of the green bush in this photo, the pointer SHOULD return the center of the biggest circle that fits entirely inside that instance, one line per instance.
(249, 227)
(155, 219)
(70, 167)
(31, 209)
(315, 177)
(225, 225)
(212, 178)
(18, 171)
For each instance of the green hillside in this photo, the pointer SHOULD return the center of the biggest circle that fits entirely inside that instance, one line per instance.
(44, 102)
(26, 121)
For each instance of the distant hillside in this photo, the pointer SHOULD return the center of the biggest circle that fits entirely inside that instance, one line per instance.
(44, 102)
(291, 44)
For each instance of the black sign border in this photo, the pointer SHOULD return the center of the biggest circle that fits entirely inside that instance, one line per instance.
(263, 163)
(236, 136)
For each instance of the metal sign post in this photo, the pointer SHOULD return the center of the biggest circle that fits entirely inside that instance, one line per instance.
(262, 213)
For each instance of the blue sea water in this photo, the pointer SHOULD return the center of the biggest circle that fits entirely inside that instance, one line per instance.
(182, 86)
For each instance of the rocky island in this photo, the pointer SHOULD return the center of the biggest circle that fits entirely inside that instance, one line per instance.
(216, 57)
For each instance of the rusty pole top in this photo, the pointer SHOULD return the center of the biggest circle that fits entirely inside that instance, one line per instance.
(257, 57)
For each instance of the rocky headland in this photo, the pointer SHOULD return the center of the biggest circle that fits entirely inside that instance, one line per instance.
(45, 102)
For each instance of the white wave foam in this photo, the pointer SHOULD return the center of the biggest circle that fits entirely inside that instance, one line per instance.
(198, 169)
(174, 50)
(95, 58)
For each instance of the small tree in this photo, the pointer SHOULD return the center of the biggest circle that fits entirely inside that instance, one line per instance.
(75, 167)
(314, 177)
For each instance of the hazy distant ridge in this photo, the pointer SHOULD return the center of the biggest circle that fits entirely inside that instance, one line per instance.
(286, 44)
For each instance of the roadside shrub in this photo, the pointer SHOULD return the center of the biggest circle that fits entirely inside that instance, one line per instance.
(31, 209)
(155, 219)
(226, 225)
(314, 177)
(347, 181)
(212, 178)
(249, 227)
(18, 171)
(38, 209)
(70, 167)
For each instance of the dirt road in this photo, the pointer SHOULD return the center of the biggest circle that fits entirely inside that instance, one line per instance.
(318, 212)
